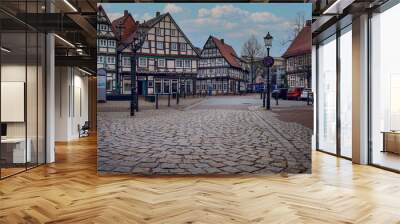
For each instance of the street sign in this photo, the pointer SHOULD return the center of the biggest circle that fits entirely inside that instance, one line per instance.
(268, 61)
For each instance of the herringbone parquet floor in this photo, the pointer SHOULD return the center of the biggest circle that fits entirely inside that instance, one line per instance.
(70, 191)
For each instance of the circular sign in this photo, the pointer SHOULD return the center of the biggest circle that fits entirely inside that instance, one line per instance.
(268, 61)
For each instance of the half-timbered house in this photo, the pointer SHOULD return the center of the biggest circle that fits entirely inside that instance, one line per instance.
(166, 62)
(298, 59)
(221, 71)
(106, 50)
(124, 27)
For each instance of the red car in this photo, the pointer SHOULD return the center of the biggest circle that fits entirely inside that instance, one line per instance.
(294, 93)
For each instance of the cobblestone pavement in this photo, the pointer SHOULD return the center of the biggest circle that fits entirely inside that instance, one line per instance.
(202, 141)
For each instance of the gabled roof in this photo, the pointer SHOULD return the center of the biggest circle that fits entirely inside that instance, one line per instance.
(145, 27)
(301, 44)
(227, 52)
(101, 9)
(151, 22)
(128, 31)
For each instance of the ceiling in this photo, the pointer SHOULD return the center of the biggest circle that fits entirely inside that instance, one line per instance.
(72, 20)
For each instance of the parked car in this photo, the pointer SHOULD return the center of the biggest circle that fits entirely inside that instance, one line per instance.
(280, 92)
(283, 93)
(305, 94)
(294, 93)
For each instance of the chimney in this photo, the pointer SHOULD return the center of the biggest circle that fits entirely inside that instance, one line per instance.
(158, 14)
(126, 13)
(222, 40)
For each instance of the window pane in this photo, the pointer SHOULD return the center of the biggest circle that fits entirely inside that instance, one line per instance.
(346, 93)
(385, 88)
(13, 83)
(327, 95)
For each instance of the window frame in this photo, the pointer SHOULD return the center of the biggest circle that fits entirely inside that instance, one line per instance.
(140, 60)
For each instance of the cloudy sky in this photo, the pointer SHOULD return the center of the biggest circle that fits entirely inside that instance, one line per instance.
(235, 22)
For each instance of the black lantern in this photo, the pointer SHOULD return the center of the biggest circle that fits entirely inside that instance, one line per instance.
(268, 61)
(268, 40)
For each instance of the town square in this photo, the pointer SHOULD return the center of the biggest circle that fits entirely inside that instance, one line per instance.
(226, 106)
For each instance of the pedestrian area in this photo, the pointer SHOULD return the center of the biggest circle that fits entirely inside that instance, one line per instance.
(205, 138)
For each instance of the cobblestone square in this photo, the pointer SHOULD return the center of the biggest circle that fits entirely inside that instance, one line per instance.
(219, 135)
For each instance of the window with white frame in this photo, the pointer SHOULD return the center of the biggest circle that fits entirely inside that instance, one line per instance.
(179, 63)
(102, 43)
(145, 44)
(174, 46)
(100, 59)
(111, 43)
(167, 32)
(188, 63)
(110, 60)
(103, 27)
(182, 46)
(142, 62)
(126, 61)
(161, 62)
(160, 45)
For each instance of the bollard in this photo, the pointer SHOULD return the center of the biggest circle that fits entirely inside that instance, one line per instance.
(169, 100)
(276, 98)
(177, 98)
(263, 94)
(156, 100)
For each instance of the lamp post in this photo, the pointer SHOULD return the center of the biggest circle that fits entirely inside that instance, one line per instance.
(137, 42)
(268, 62)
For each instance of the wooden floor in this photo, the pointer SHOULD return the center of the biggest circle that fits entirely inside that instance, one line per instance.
(70, 191)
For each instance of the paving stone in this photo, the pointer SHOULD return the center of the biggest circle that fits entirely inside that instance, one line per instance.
(201, 141)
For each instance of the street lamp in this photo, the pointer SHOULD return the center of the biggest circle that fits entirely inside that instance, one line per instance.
(138, 39)
(268, 62)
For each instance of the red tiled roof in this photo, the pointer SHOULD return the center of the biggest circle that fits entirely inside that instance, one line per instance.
(301, 44)
(227, 52)
(129, 24)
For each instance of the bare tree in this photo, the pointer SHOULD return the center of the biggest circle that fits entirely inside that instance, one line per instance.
(298, 23)
(252, 49)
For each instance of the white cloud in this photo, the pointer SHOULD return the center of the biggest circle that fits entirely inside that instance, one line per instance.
(203, 12)
(172, 8)
(263, 17)
(222, 11)
(230, 25)
(205, 21)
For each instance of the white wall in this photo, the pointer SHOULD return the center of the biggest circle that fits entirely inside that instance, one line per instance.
(71, 102)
